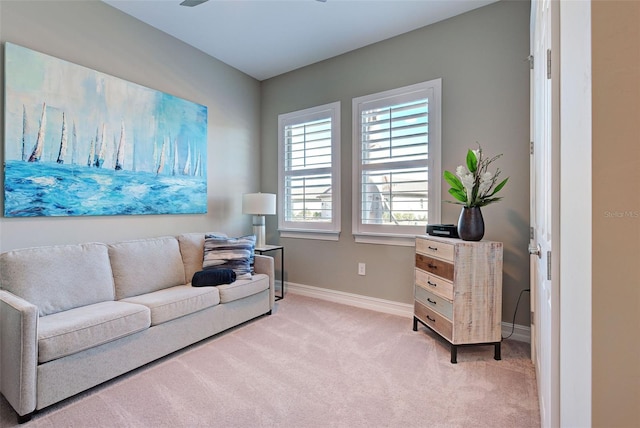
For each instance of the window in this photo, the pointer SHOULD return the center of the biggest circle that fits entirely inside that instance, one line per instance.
(309, 173)
(396, 163)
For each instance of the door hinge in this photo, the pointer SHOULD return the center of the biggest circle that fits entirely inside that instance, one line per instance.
(531, 233)
(530, 58)
(530, 147)
(531, 314)
(548, 265)
(548, 63)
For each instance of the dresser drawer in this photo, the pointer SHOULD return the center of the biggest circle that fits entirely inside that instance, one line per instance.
(437, 303)
(435, 284)
(434, 320)
(435, 266)
(435, 249)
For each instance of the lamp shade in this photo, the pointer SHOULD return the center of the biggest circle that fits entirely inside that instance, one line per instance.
(259, 203)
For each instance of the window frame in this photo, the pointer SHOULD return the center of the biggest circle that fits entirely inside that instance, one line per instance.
(311, 230)
(390, 234)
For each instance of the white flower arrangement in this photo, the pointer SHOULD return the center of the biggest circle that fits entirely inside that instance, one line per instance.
(473, 185)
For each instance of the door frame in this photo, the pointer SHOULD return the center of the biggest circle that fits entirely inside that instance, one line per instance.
(575, 214)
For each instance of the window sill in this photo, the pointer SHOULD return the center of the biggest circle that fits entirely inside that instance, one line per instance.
(382, 239)
(310, 234)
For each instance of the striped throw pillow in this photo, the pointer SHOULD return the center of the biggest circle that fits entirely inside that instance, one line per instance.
(221, 252)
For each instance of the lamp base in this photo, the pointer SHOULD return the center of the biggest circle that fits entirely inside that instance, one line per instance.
(259, 230)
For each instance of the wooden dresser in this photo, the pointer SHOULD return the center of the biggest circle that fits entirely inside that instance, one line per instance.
(458, 291)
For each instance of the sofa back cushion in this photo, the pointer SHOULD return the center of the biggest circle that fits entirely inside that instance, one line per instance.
(146, 265)
(58, 278)
(192, 249)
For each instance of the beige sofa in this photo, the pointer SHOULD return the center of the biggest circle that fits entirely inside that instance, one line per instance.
(74, 316)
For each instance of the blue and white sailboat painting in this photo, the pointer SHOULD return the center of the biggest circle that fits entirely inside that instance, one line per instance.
(80, 142)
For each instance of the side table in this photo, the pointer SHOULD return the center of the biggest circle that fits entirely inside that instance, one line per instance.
(268, 248)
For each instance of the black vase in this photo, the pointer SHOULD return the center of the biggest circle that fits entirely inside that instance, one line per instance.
(470, 224)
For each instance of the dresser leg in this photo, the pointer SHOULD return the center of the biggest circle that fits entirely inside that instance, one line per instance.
(454, 354)
(415, 324)
(496, 353)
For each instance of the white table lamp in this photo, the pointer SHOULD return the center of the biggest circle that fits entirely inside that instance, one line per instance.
(259, 205)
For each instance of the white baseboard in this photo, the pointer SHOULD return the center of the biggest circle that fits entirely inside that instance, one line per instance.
(520, 332)
(375, 304)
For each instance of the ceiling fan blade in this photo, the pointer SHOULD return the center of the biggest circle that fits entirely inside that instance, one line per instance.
(192, 3)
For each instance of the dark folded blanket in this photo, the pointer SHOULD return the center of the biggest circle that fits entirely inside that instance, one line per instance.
(213, 277)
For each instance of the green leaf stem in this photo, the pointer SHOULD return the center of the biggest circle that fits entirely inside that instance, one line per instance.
(453, 181)
(499, 186)
(458, 194)
(472, 161)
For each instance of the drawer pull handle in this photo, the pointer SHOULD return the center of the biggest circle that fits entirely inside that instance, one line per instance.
(433, 284)
(433, 248)
(431, 319)
(432, 266)
(433, 302)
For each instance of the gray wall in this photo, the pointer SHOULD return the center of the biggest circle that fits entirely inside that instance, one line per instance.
(95, 35)
(481, 58)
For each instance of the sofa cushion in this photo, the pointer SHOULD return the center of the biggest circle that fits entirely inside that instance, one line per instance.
(175, 302)
(75, 330)
(146, 265)
(58, 278)
(229, 253)
(243, 288)
(192, 250)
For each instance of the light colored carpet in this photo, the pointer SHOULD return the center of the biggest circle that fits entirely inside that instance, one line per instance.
(313, 364)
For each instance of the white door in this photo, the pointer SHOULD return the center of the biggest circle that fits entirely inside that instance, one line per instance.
(544, 208)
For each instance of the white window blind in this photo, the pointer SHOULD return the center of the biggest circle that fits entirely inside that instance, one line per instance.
(309, 154)
(308, 171)
(396, 161)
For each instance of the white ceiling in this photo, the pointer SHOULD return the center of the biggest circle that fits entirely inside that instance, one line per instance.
(265, 38)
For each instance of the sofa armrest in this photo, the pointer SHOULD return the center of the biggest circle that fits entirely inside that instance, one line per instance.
(18, 352)
(264, 264)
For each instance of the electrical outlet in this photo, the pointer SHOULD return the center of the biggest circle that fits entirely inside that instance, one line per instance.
(362, 269)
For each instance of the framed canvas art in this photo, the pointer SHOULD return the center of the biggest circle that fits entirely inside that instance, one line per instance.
(79, 142)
